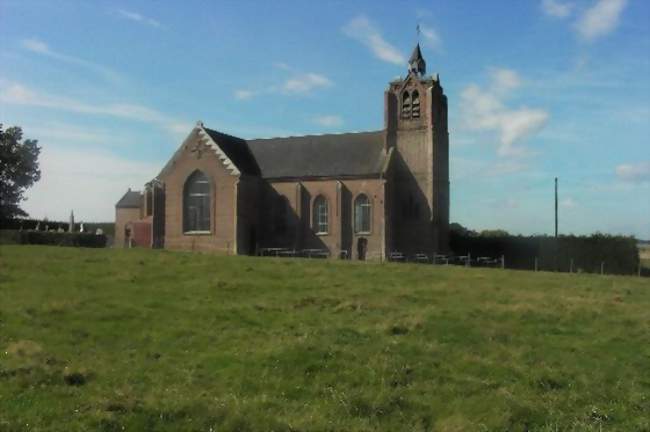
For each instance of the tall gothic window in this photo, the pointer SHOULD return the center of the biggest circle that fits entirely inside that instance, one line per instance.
(362, 214)
(415, 104)
(196, 203)
(320, 221)
(406, 105)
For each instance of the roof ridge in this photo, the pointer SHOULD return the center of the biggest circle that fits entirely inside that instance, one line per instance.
(223, 133)
(318, 135)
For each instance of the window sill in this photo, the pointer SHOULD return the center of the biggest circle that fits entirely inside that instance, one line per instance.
(322, 233)
(363, 233)
(191, 233)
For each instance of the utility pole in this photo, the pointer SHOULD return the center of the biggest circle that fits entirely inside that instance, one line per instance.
(556, 245)
(556, 208)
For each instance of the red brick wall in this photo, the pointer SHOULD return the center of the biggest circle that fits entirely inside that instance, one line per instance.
(222, 236)
(340, 196)
(124, 216)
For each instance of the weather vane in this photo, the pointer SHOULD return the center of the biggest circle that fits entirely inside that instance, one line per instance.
(417, 31)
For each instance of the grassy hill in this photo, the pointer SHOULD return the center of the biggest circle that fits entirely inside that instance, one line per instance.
(154, 340)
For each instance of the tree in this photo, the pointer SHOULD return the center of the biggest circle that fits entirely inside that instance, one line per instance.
(458, 229)
(494, 233)
(18, 170)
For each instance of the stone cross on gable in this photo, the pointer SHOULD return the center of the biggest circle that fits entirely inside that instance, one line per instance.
(198, 149)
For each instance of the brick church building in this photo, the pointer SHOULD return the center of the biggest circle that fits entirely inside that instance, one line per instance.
(359, 195)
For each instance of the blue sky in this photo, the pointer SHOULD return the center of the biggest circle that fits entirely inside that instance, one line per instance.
(537, 89)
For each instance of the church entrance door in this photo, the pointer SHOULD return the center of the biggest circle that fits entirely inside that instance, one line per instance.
(362, 248)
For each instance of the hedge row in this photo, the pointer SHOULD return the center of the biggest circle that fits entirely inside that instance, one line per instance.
(30, 224)
(619, 254)
(52, 238)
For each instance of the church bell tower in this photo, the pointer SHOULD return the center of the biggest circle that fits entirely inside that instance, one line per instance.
(415, 114)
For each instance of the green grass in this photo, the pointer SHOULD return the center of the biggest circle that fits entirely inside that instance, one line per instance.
(153, 340)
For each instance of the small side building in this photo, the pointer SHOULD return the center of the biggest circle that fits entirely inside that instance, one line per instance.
(128, 209)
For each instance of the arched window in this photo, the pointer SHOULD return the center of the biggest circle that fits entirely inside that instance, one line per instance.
(196, 203)
(320, 219)
(362, 214)
(415, 104)
(406, 105)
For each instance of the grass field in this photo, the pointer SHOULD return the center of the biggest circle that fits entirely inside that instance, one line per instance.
(152, 340)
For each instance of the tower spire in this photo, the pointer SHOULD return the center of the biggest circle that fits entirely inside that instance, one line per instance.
(417, 65)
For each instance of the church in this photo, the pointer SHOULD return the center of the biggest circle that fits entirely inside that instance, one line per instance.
(360, 195)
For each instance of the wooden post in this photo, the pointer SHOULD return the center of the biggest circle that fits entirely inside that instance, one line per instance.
(469, 259)
(571, 266)
(535, 263)
(503, 261)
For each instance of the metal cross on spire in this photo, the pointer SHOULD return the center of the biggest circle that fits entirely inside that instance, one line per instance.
(417, 31)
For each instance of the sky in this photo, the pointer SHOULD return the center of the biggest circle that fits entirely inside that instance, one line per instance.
(537, 89)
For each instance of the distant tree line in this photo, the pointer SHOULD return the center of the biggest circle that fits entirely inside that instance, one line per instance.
(108, 228)
(616, 254)
(53, 238)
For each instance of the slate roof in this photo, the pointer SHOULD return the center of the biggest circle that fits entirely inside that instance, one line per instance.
(416, 62)
(334, 155)
(416, 55)
(237, 150)
(131, 199)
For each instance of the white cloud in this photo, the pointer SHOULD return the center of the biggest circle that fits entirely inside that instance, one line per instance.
(568, 203)
(298, 83)
(305, 83)
(600, 19)
(504, 80)
(63, 132)
(134, 16)
(86, 181)
(556, 8)
(634, 172)
(38, 46)
(361, 29)
(282, 65)
(505, 167)
(328, 120)
(485, 110)
(431, 37)
(463, 169)
(243, 94)
(19, 94)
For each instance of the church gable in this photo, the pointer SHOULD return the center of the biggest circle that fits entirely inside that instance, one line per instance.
(232, 152)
